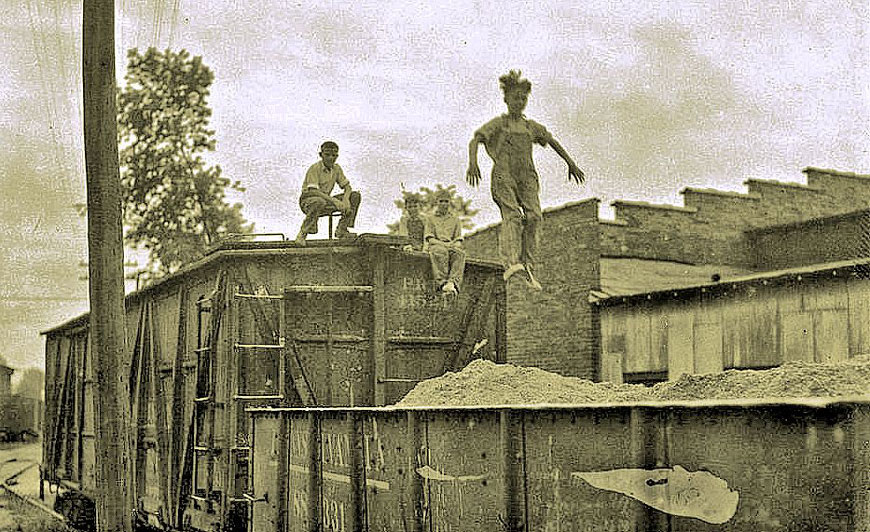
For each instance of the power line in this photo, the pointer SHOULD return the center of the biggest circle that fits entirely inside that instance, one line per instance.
(40, 298)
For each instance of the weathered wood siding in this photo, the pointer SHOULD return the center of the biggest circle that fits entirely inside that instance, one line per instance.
(380, 327)
(747, 325)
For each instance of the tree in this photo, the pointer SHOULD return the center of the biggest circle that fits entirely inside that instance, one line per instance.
(32, 383)
(459, 205)
(174, 203)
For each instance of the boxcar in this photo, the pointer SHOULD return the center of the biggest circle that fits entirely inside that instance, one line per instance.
(20, 418)
(333, 323)
(741, 466)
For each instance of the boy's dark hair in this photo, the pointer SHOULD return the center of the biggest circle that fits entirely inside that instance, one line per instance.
(411, 197)
(328, 144)
(512, 81)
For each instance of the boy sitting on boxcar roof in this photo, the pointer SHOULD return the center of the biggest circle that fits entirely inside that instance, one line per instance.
(443, 241)
(316, 200)
(411, 224)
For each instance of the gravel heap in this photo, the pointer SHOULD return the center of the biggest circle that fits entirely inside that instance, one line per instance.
(483, 382)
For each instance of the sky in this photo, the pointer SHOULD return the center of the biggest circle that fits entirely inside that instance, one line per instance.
(648, 100)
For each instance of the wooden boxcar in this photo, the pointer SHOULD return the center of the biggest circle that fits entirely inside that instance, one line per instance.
(333, 323)
(20, 418)
(741, 466)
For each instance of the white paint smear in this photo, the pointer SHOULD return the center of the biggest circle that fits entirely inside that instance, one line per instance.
(698, 494)
(433, 474)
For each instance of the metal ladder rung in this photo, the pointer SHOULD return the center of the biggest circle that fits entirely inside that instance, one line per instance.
(313, 289)
(241, 397)
(259, 346)
(256, 296)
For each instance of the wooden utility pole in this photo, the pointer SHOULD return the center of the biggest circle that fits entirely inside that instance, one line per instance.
(106, 268)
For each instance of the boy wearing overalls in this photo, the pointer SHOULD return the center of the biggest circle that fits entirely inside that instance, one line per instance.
(508, 140)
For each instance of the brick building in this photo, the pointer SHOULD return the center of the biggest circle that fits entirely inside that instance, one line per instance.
(5, 381)
(588, 264)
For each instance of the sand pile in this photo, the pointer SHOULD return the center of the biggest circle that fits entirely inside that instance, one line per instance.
(792, 379)
(486, 383)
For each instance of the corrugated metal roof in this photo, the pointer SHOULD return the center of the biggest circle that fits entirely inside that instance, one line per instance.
(622, 277)
(732, 278)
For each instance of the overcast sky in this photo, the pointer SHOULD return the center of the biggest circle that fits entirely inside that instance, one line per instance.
(648, 100)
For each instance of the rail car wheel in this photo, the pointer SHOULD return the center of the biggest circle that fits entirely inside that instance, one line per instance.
(79, 511)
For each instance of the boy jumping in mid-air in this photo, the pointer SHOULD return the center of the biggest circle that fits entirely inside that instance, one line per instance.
(508, 140)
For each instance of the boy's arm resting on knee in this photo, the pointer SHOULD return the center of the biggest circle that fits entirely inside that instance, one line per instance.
(345, 198)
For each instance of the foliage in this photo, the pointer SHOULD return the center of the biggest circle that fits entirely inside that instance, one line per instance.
(175, 204)
(458, 205)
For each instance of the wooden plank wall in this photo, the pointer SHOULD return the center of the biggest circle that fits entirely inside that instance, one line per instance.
(811, 320)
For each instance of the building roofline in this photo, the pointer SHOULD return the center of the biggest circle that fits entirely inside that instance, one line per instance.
(774, 276)
(548, 210)
(717, 192)
(644, 204)
(838, 173)
(843, 215)
(788, 184)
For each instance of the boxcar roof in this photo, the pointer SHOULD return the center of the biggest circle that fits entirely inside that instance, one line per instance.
(242, 248)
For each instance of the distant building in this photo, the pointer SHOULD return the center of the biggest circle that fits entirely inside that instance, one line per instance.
(726, 280)
(6, 381)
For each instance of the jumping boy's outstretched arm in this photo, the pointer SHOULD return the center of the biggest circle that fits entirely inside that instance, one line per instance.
(574, 172)
(473, 173)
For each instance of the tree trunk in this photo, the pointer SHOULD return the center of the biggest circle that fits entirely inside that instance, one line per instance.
(105, 269)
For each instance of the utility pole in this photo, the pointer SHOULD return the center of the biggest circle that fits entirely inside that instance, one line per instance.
(106, 268)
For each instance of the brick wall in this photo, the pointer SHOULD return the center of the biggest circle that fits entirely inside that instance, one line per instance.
(556, 329)
(710, 227)
(829, 239)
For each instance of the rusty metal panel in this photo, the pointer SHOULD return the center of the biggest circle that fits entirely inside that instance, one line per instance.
(331, 335)
(299, 476)
(463, 478)
(407, 364)
(416, 308)
(265, 474)
(414, 305)
(560, 444)
(336, 495)
(789, 466)
(860, 443)
(392, 483)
